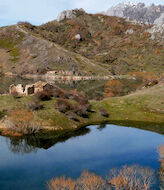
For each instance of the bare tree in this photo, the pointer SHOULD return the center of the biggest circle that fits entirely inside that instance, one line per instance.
(131, 178)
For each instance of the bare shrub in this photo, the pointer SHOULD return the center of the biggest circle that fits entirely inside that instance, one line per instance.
(21, 122)
(131, 177)
(26, 24)
(126, 178)
(62, 184)
(90, 181)
(63, 105)
(81, 110)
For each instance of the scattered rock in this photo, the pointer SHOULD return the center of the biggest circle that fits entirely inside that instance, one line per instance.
(129, 31)
(78, 37)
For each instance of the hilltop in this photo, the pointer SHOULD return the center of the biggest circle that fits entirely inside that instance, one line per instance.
(79, 43)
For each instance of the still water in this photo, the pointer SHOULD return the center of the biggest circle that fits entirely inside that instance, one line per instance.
(29, 164)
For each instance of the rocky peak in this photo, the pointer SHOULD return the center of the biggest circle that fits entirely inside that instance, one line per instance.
(69, 14)
(140, 12)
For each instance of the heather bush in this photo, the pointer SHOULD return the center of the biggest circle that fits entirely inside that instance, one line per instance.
(34, 105)
(64, 105)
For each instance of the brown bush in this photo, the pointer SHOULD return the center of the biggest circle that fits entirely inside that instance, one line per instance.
(131, 177)
(144, 76)
(113, 88)
(126, 178)
(90, 181)
(21, 122)
(81, 110)
(62, 184)
(63, 105)
(44, 95)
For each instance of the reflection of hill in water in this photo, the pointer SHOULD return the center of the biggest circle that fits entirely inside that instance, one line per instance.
(33, 143)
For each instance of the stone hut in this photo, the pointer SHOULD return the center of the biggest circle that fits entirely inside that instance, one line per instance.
(30, 89)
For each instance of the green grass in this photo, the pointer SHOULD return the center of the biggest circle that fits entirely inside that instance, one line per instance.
(10, 43)
(136, 110)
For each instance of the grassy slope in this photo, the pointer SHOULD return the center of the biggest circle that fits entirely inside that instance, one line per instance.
(23, 53)
(136, 110)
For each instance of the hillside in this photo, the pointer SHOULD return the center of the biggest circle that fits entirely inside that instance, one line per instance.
(119, 45)
(23, 53)
(82, 44)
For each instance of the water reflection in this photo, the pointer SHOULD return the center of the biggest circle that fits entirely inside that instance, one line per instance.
(32, 143)
(96, 149)
(20, 146)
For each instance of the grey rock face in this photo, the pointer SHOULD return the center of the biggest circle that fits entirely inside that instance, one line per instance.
(160, 20)
(152, 14)
(69, 14)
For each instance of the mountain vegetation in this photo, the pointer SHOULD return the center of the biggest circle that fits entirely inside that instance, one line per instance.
(82, 44)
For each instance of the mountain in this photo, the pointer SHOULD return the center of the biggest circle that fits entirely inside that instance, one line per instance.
(83, 44)
(153, 14)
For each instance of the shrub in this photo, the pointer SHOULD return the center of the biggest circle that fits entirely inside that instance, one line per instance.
(21, 122)
(35, 105)
(131, 177)
(126, 178)
(63, 105)
(113, 88)
(62, 184)
(103, 112)
(81, 110)
(44, 95)
(72, 115)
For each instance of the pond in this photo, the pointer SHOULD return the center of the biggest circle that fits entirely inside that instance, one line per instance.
(30, 163)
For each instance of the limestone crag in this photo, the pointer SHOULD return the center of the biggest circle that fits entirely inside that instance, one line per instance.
(152, 14)
(69, 14)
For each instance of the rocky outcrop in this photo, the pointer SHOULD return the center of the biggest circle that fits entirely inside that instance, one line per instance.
(160, 21)
(69, 14)
(152, 14)
(157, 33)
